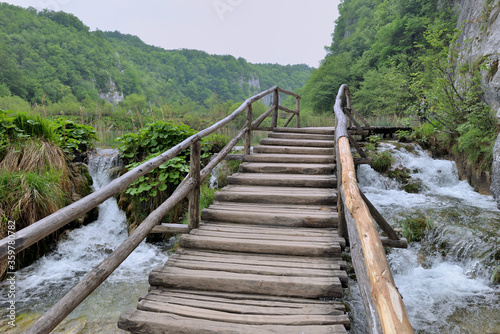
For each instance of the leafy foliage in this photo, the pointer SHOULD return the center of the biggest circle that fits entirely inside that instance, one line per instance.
(148, 143)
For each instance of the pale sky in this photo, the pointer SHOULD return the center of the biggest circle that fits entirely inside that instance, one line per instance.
(261, 31)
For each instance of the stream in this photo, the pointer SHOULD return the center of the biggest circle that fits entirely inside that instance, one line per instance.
(43, 283)
(446, 279)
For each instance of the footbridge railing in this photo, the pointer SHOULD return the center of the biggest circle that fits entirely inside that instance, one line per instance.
(383, 304)
(190, 188)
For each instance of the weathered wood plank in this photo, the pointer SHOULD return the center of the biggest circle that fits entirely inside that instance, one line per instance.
(285, 180)
(313, 130)
(269, 218)
(294, 158)
(257, 246)
(256, 257)
(293, 150)
(287, 168)
(170, 228)
(297, 142)
(246, 319)
(251, 299)
(306, 136)
(246, 307)
(288, 286)
(142, 322)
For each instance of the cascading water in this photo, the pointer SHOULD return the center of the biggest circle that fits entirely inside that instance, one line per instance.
(42, 284)
(445, 279)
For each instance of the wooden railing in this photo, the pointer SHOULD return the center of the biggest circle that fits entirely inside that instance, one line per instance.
(383, 304)
(190, 188)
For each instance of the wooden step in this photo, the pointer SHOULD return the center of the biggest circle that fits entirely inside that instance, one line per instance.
(287, 168)
(256, 232)
(293, 150)
(277, 195)
(321, 131)
(280, 247)
(301, 136)
(254, 215)
(283, 180)
(216, 312)
(287, 158)
(143, 322)
(272, 278)
(297, 142)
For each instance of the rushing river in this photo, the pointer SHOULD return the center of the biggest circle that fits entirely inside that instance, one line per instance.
(445, 280)
(42, 284)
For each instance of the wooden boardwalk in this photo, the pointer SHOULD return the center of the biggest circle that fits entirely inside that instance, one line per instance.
(266, 257)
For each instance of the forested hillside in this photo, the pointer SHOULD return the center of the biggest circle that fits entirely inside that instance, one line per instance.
(401, 59)
(47, 57)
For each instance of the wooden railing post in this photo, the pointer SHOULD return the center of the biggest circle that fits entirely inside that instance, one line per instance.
(248, 134)
(297, 108)
(276, 102)
(194, 195)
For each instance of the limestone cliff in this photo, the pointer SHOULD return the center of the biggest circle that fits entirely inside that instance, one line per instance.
(480, 47)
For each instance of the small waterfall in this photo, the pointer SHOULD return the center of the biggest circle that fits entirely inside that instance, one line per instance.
(42, 284)
(445, 280)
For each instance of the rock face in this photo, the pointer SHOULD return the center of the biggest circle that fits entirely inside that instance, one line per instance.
(495, 171)
(480, 43)
(480, 47)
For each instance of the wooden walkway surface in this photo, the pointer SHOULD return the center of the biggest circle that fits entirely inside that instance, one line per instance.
(266, 257)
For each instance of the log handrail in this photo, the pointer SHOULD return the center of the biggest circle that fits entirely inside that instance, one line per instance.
(189, 187)
(383, 304)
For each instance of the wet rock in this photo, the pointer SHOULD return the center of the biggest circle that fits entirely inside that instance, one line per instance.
(495, 171)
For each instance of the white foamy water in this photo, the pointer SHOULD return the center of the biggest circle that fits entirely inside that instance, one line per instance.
(445, 280)
(42, 284)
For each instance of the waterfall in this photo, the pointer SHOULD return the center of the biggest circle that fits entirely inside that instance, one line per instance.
(445, 279)
(42, 284)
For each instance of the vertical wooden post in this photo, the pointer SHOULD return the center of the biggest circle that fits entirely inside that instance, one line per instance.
(248, 134)
(342, 227)
(276, 102)
(194, 195)
(297, 108)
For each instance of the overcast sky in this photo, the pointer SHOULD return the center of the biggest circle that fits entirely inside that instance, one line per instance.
(261, 31)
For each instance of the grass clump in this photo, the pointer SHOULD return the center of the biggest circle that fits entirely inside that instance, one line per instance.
(414, 228)
(382, 162)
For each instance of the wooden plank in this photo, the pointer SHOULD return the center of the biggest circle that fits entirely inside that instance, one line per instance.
(248, 135)
(311, 130)
(258, 257)
(278, 207)
(282, 180)
(307, 136)
(277, 195)
(257, 246)
(220, 304)
(287, 168)
(170, 229)
(246, 319)
(275, 230)
(297, 142)
(271, 270)
(284, 158)
(259, 261)
(293, 150)
(269, 218)
(250, 299)
(142, 322)
(255, 235)
(288, 286)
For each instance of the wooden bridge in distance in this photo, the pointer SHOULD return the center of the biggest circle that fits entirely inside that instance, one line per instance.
(266, 255)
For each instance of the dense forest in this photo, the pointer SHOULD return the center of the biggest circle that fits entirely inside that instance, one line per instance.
(49, 58)
(401, 60)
